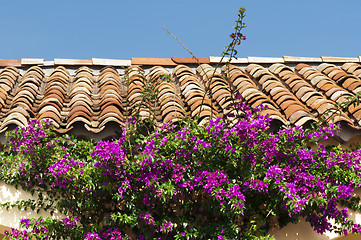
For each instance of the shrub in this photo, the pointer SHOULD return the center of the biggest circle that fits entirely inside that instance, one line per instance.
(229, 179)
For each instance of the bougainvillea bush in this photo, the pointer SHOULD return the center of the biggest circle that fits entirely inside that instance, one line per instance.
(232, 178)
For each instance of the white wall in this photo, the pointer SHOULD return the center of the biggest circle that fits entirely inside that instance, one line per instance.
(303, 230)
(11, 217)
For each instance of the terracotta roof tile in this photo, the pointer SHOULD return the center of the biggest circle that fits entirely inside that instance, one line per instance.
(76, 93)
(111, 62)
(186, 60)
(10, 63)
(153, 61)
(60, 61)
(339, 59)
(289, 59)
(32, 61)
(226, 59)
(264, 60)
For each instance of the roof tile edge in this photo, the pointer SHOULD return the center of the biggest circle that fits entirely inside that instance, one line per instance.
(339, 59)
(153, 61)
(63, 61)
(10, 63)
(290, 59)
(174, 61)
(265, 60)
(111, 62)
(214, 59)
(32, 61)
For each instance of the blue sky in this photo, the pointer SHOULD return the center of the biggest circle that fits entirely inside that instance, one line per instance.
(125, 29)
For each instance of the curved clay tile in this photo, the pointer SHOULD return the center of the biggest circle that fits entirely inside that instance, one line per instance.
(81, 94)
(62, 86)
(209, 76)
(52, 97)
(181, 70)
(155, 73)
(79, 109)
(53, 116)
(171, 103)
(172, 108)
(108, 69)
(83, 76)
(300, 87)
(77, 89)
(191, 87)
(50, 107)
(352, 68)
(111, 111)
(322, 82)
(110, 117)
(187, 78)
(133, 89)
(85, 70)
(199, 104)
(60, 72)
(28, 89)
(174, 117)
(54, 100)
(106, 89)
(109, 79)
(333, 91)
(55, 90)
(30, 81)
(25, 100)
(36, 70)
(279, 93)
(136, 82)
(340, 76)
(202, 111)
(193, 92)
(111, 102)
(110, 94)
(165, 86)
(79, 117)
(134, 97)
(8, 77)
(354, 85)
(169, 97)
(11, 73)
(82, 82)
(33, 75)
(20, 110)
(169, 100)
(82, 103)
(136, 104)
(16, 118)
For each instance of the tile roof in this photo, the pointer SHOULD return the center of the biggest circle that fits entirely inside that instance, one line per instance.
(93, 94)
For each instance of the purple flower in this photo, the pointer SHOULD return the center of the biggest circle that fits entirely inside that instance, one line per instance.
(92, 236)
(69, 222)
(25, 222)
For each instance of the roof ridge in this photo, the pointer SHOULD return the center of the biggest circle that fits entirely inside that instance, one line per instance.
(173, 61)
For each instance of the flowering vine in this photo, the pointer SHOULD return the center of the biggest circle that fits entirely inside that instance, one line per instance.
(239, 175)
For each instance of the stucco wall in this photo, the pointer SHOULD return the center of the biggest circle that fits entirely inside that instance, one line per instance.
(11, 217)
(303, 231)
